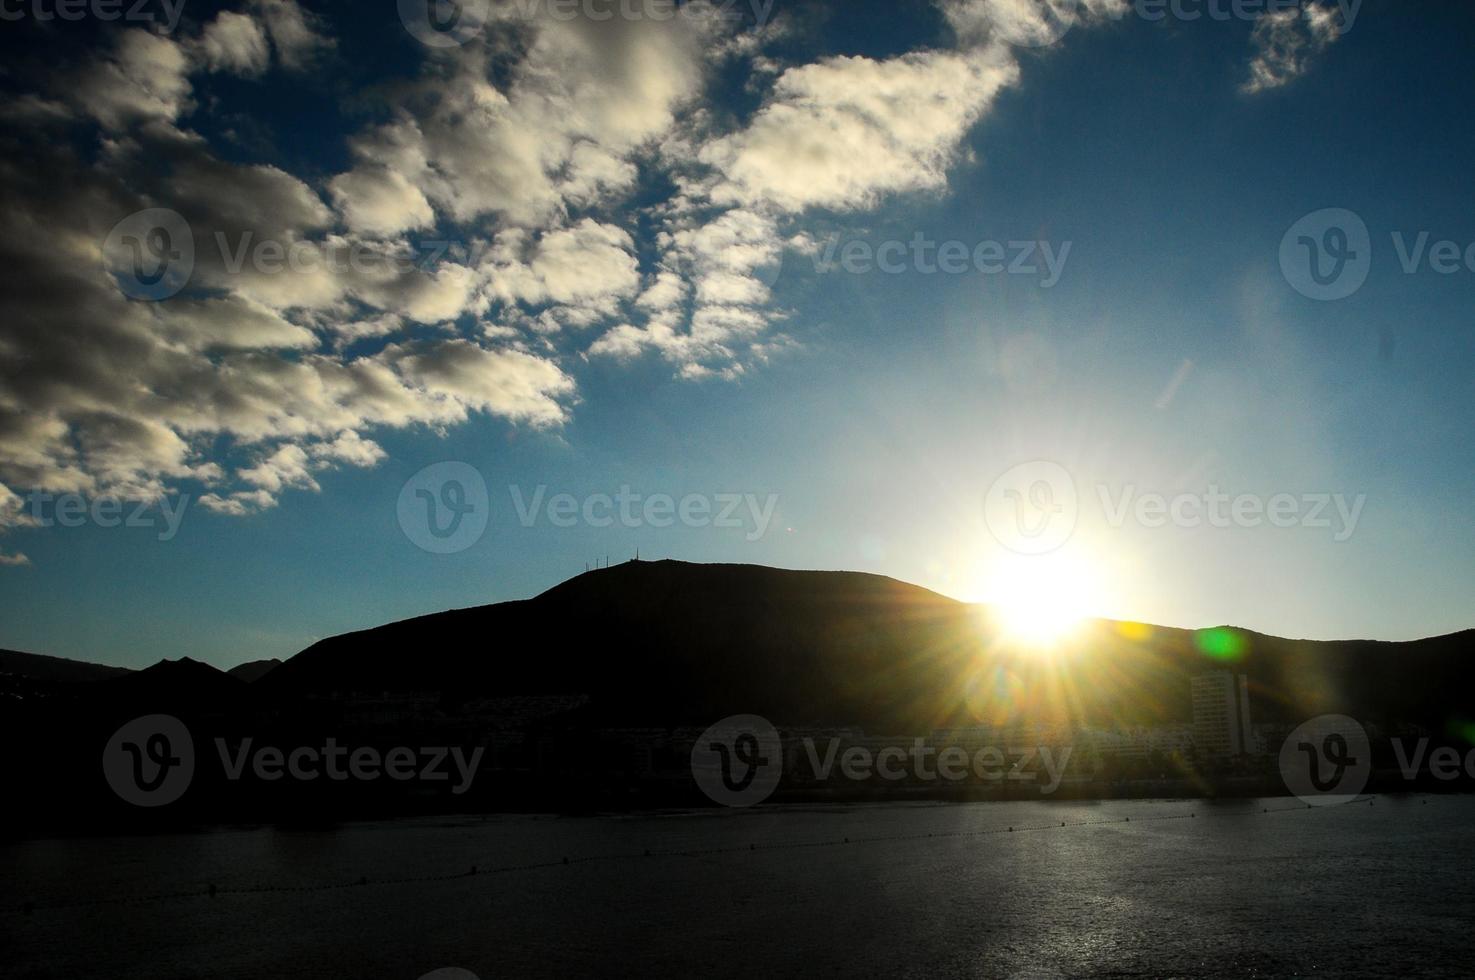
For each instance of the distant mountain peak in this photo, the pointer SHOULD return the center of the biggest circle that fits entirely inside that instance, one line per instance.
(254, 670)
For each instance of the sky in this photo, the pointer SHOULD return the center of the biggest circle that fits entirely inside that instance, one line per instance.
(322, 315)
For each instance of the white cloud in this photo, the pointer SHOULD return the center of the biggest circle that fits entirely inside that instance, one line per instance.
(256, 380)
(464, 377)
(845, 131)
(1286, 44)
(296, 35)
(843, 134)
(12, 514)
(434, 297)
(235, 43)
(350, 448)
(227, 322)
(105, 395)
(588, 264)
(238, 504)
(288, 466)
(1025, 23)
(664, 292)
(144, 78)
(12, 508)
(583, 99)
(378, 201)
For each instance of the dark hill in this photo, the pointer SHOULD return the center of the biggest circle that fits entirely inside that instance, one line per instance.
(254, 670)
(182, 686)
(56, 670)
(676, 643)
(26, 676)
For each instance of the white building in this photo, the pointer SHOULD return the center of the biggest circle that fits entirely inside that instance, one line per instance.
(1221, 714)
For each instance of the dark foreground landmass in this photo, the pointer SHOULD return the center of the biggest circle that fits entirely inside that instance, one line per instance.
(592, 695)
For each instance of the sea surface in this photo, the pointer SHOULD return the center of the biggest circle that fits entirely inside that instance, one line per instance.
(1125, 889)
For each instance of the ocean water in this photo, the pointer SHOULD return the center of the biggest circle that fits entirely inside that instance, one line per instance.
(1125, 889)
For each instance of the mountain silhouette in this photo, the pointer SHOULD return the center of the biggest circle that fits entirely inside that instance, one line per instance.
(254, 670)
(591, 694)
(670, 642)
(31, 675)
(58, 670)
(183, 682)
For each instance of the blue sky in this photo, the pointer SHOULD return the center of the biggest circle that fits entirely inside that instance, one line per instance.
(643, 302)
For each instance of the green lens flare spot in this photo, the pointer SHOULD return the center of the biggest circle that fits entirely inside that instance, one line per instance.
(1221, 644)
(1461, 728)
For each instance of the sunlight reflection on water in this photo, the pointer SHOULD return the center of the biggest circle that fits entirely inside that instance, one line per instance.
(1184, 888)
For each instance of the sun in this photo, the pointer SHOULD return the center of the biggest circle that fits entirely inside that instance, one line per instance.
(1039, 601)
(1038, 619)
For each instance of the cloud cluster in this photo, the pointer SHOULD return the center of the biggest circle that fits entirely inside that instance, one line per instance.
(555, 190)
(843, 132)
(243, 383)
(582, 97)
(1026, 23)
(1287, 42)
(840, 134)
(12, 514)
